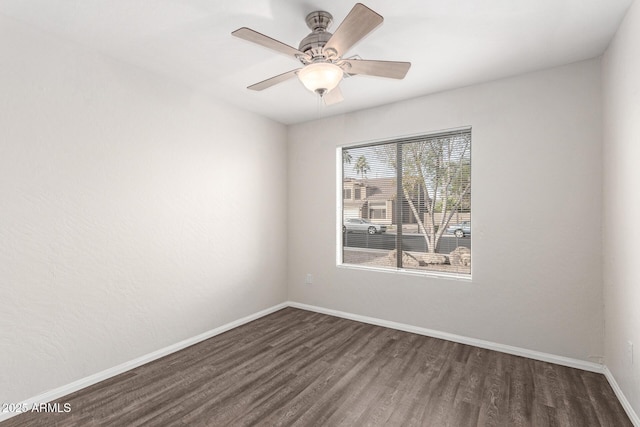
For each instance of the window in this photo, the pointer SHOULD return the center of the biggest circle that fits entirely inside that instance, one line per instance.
(416, 212)
(378, 213)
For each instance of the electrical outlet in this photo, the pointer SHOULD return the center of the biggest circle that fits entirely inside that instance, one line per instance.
(630, 352)
(309, 279)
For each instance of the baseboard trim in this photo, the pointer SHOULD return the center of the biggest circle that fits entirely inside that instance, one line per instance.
(59, 392)
(633, 416)
(517, 351)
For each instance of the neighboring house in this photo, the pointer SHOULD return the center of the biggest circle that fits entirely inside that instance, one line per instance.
(375, 199)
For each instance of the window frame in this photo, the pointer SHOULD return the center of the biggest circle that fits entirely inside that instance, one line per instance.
(340, 207)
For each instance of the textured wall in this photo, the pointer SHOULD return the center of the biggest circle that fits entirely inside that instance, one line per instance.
(134, 213)
(621, 93)
(537, 276)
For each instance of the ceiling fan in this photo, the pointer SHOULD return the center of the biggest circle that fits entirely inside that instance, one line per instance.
(322, 53)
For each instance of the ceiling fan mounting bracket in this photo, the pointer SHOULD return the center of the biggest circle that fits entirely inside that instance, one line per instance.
(319, 20)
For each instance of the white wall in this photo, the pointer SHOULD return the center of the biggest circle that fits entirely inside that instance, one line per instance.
(621, 149)
(537, 276)
(134, 213)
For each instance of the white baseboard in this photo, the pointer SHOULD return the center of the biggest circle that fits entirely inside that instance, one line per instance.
(518, 351)
(635, 419)
(116, 370)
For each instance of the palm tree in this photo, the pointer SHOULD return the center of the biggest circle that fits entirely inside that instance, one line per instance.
(362, 166)
(346, 157)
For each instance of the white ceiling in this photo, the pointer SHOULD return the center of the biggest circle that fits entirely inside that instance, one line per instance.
(450, 43)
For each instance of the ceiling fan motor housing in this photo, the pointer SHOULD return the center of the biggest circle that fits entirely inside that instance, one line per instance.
(313, 44)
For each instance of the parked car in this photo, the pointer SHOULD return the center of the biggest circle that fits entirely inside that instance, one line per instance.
(460, 230)
(362, 225)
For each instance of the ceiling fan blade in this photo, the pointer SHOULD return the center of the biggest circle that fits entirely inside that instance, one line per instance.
(265, 84)
(333, 97)
(358, 23)
(390, 69)
(266, 41)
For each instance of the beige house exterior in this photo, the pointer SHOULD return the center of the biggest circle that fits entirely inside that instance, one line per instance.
(375, 199)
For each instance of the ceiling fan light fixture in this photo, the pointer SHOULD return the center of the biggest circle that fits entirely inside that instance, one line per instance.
(320, 77)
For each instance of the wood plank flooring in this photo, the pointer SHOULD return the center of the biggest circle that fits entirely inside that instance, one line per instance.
(298, 368)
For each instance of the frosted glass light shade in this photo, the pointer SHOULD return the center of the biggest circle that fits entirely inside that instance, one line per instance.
(320, 77)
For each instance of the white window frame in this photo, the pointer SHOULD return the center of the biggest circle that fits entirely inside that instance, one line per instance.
(339, 213)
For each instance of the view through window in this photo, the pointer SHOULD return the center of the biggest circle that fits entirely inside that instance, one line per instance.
(414, 214)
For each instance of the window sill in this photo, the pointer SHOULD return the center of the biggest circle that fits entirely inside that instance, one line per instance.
(402, 271)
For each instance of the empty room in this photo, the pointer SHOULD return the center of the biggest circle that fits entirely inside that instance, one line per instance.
(319, 213)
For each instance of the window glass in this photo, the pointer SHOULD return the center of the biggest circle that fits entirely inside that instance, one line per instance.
(417, 212)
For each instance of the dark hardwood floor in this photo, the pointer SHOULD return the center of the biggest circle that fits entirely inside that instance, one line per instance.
(299, 368)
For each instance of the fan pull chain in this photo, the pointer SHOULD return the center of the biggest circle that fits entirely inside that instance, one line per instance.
(320, 104)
